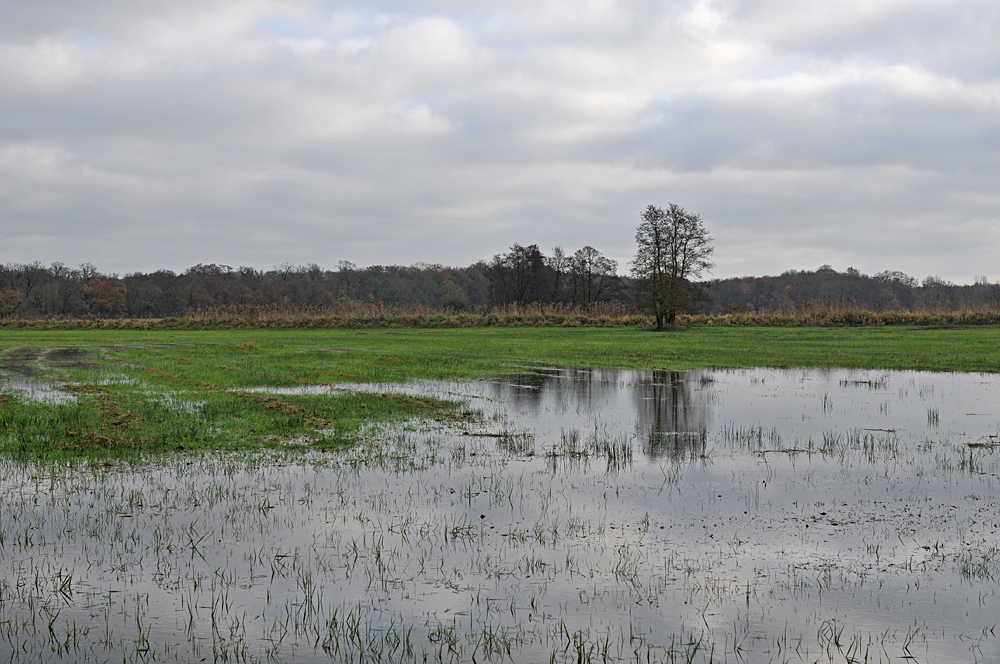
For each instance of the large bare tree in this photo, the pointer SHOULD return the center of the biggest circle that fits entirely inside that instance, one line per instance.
(674, 248)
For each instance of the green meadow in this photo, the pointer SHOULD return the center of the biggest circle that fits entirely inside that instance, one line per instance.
(134, 393)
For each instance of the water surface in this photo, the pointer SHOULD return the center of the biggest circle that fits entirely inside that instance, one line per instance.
(742, 516)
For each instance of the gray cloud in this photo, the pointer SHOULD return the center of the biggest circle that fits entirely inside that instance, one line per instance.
(145, 135)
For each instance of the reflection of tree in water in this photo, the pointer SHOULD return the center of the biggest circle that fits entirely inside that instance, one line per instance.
(526, 389)
(671, 407)
(564, 389)
(673, 419)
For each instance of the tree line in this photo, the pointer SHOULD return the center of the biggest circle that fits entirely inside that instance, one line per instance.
(796, 291)
(521, 276)
(673, 252)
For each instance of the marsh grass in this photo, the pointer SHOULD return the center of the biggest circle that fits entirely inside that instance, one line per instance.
(615, 449)
(130, 403)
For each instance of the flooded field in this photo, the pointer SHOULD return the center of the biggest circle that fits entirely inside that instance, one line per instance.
(591, 516)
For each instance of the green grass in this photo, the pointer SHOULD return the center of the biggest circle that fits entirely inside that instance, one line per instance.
(142, 392)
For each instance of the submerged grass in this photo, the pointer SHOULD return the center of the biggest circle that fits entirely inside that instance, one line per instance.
(788, 535)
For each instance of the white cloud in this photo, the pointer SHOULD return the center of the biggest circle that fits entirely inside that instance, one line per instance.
(141, 135)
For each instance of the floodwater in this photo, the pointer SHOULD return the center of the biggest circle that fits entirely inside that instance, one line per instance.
(727, 516)
(36, 390)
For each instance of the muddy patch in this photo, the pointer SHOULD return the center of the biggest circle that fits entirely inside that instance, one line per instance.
(70, 358)
(22, 362)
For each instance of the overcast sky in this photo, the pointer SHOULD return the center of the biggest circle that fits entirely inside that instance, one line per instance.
(140, 135)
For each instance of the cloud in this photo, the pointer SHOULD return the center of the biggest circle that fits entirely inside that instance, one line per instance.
(142, 135)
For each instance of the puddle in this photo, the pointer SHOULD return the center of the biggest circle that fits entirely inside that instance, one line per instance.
(177, 402)
(300, 390)
(724, 516)
(34, 390)
(26, 371)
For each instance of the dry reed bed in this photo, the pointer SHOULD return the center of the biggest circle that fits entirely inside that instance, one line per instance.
(535, 316)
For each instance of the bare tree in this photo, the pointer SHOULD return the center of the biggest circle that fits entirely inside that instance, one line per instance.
(559, 263)
(673, 249)
(518, 276)
(591, 272)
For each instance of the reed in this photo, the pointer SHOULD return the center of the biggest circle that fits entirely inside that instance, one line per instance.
(377, 316)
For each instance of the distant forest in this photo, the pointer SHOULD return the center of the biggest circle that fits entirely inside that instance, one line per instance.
(585, 280)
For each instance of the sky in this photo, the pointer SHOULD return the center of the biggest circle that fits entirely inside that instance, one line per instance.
(139, 135)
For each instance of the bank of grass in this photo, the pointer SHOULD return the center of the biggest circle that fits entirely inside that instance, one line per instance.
(137, 393)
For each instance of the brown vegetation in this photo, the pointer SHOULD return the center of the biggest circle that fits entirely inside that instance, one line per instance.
(368, 316)
(850, 318)
(507, 316)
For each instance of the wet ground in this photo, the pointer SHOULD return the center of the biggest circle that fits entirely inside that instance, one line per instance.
(24, 370)
(727, 516)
